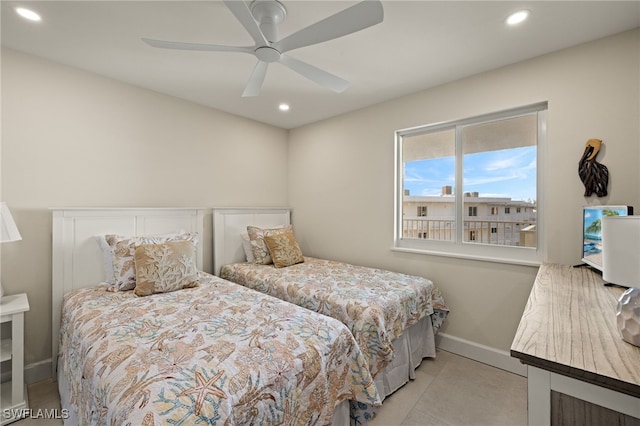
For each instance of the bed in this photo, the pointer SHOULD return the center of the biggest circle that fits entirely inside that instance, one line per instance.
(394, 317)
(209, 351)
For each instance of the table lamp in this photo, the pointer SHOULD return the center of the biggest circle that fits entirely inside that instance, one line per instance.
(621, 266)
(8, 230)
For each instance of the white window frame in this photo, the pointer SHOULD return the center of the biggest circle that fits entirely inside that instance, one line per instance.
(458, 248)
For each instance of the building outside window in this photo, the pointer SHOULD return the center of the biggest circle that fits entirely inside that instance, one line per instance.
(455, 176)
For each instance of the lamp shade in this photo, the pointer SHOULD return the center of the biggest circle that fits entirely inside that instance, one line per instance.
(621, 250)
(8, 229)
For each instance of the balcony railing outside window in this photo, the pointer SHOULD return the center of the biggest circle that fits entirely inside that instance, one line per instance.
(479, 231)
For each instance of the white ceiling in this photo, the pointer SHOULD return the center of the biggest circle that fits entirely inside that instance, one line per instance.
(420, 44)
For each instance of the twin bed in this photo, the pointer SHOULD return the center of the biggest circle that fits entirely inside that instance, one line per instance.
(216, 352)
(393, 316)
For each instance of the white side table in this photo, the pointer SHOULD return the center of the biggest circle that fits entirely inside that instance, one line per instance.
(14, 397)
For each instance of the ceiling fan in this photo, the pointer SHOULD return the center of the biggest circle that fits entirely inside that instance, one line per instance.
(261, 19)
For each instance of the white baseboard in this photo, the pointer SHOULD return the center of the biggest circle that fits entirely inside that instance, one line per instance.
(33, 373)
(37, 371)
(481, 353)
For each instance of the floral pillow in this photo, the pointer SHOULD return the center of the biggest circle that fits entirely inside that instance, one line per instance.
(161, 268)
(256, 236)
(283, 249)
(123, 252)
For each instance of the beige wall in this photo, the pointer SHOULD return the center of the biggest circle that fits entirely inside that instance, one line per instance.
(71, 138)
(341, 173)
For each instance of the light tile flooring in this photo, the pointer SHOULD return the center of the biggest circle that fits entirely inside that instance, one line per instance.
(448, 391)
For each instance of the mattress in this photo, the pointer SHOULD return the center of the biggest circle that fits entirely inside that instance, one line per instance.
(218, 353)
(378, 306)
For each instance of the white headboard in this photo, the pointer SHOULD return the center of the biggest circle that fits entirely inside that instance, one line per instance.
(77, 258)
(228, 224)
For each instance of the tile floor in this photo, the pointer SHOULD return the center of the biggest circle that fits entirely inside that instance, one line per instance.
(450, 390)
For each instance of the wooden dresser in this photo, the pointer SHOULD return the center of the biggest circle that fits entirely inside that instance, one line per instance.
(580, 371)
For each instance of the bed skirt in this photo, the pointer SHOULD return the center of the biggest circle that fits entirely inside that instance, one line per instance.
(416, 343)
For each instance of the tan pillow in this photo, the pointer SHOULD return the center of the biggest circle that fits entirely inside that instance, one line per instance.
(165, 267)
(122, 250)
(256, 236)
(284, 249)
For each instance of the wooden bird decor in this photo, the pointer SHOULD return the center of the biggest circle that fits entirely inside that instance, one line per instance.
(594, 176)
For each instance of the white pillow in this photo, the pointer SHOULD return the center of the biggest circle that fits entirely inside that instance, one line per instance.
(246, 246)
(107, 259)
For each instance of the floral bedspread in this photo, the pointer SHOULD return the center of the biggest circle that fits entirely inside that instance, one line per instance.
(218, 353)
(375, 304)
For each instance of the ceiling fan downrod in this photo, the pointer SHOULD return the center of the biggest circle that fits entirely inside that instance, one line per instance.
(268, 14)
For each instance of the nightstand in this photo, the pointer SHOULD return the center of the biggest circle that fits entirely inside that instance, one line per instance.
(14, 393)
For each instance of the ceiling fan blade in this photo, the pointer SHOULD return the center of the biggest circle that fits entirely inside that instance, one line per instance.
(317, 75)
(255, 81)
(351, 20)
(242, 13)
(196, 46)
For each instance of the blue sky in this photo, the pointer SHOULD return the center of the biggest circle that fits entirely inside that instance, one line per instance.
(504, 173)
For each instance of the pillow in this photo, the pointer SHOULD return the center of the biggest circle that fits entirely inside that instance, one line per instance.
(161, 268)
(107, 259)
(260, 251)
(283, 249)
(246, 246)
(123, 251)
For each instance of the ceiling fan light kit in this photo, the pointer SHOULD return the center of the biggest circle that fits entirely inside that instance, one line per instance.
(261, 19)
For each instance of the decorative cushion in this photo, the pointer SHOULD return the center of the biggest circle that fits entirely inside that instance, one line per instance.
(161, 268)
(260, 251)
(123, 250)
(283, 249)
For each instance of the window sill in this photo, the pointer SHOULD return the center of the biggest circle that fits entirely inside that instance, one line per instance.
(521, 262)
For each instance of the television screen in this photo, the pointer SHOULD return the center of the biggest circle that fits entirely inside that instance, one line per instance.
(592, 231)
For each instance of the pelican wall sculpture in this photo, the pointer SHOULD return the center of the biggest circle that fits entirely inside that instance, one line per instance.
(594, 176)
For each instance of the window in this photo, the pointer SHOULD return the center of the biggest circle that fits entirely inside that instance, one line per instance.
(460, 174)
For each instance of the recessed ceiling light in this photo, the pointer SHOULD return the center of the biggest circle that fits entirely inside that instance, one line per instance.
(517, 17)
(283, 107)
(28, 14)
